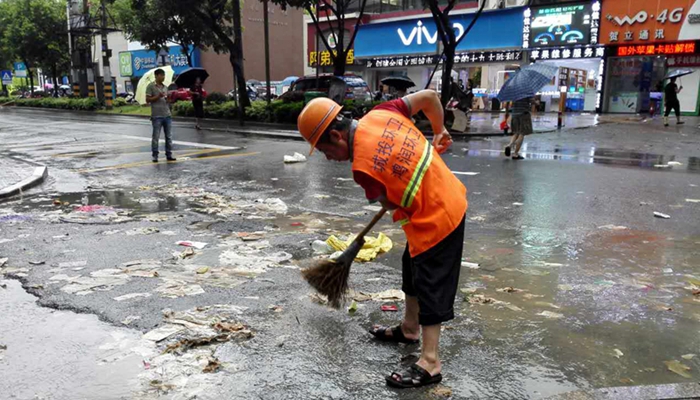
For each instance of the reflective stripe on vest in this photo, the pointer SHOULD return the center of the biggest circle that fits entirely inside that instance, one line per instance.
(418, 175)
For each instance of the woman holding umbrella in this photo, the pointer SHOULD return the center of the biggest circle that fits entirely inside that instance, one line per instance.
(671, 94)
(193, 78)
(198, 96)
(521, 88)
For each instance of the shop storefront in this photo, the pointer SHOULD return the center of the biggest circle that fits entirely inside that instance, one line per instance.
(567, 37)
(645, 39)
(133, 64)
(410, 47)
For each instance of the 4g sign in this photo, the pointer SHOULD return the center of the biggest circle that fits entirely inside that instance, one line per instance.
(627, 22)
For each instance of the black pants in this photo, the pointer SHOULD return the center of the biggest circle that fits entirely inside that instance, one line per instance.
(673, 105)
(433, 277)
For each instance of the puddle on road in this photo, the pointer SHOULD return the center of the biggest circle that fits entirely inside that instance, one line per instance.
(592, 155)
(61, 355)
(570, 305)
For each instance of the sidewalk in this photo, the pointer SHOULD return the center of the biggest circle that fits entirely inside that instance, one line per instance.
(17, 176)
(488, 124)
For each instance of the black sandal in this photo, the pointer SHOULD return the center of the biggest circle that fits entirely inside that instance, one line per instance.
(397, 335)
(413, 377)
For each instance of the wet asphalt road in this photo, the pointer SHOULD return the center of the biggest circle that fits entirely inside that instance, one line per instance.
(551, 226)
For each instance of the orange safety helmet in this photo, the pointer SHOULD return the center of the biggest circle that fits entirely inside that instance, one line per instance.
(316, 117)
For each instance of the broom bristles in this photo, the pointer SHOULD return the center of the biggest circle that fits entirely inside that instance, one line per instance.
(329, 278)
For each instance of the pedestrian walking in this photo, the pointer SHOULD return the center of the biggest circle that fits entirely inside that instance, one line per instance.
(397, 167)
(672, 103)
(521, 125)
(157, 97)
(197, 92)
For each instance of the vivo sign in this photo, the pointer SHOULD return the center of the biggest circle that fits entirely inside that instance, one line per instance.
(502, 29)
(420, 33)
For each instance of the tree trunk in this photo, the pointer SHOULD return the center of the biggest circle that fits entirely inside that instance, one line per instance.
(447, 66)
(339, 59)
(236, 57)
(54, 72)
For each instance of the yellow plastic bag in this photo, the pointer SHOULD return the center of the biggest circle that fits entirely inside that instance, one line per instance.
(372, 248)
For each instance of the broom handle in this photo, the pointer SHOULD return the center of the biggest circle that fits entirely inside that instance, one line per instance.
(369, 227)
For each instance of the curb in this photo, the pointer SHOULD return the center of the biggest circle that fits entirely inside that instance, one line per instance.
(40, 174)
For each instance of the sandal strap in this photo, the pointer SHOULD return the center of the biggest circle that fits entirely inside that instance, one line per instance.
(420, 372)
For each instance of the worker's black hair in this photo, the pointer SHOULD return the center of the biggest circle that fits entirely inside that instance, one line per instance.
(341, 123)
(159, 72)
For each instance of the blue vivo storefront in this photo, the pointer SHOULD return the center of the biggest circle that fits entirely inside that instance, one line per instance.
(494, 30)
(410, 47)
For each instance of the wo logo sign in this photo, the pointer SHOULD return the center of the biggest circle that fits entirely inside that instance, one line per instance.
(419, 33)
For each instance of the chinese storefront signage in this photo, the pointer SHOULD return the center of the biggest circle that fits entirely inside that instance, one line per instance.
(658, 49)
(460, 58)
(567, 53)
(557, 26)
(683, 61)
(324, 59)
(636, 21)
(135, 63)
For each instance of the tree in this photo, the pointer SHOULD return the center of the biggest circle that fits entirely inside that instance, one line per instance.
(449, 41)
(56, 56)
(34, 32)
(155, 27)
(331, 8)
(206, 23)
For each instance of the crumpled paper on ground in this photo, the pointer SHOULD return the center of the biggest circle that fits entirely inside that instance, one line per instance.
(372, 248)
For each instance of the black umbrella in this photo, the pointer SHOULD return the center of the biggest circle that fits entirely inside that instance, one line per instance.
(398, 82)
(677, 73)
(187, 77)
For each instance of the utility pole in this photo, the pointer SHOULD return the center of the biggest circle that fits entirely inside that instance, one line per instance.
(239, 68)
(267, 58)
(106, 54)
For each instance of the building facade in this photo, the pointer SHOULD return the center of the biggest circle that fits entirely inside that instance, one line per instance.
(400, 39)
(567, 35)
(130, 60)
(286, 29)
(646, 39)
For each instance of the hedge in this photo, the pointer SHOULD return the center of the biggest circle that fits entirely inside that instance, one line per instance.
(281, 112)
(87, 104)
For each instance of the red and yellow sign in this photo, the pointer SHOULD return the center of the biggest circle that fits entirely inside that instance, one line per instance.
(324, 58)
(649, 21)
(655, 50)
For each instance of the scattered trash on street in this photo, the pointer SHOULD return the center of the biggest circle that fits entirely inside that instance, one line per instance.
(661, 215)
(678, 367)
(296, 158)
(196, 245)
(372, 248)
(470, 265)
(552, 315)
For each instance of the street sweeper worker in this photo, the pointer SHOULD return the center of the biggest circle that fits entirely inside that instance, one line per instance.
(398, 167)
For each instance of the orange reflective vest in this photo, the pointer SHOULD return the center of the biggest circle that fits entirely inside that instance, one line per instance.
(388, 147)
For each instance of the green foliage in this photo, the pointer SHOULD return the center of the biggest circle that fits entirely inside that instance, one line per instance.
(216, 98)
(87, 104)
(183, 109)
(286, 112)
(35, 32)
(119, 102)
(257, 111)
